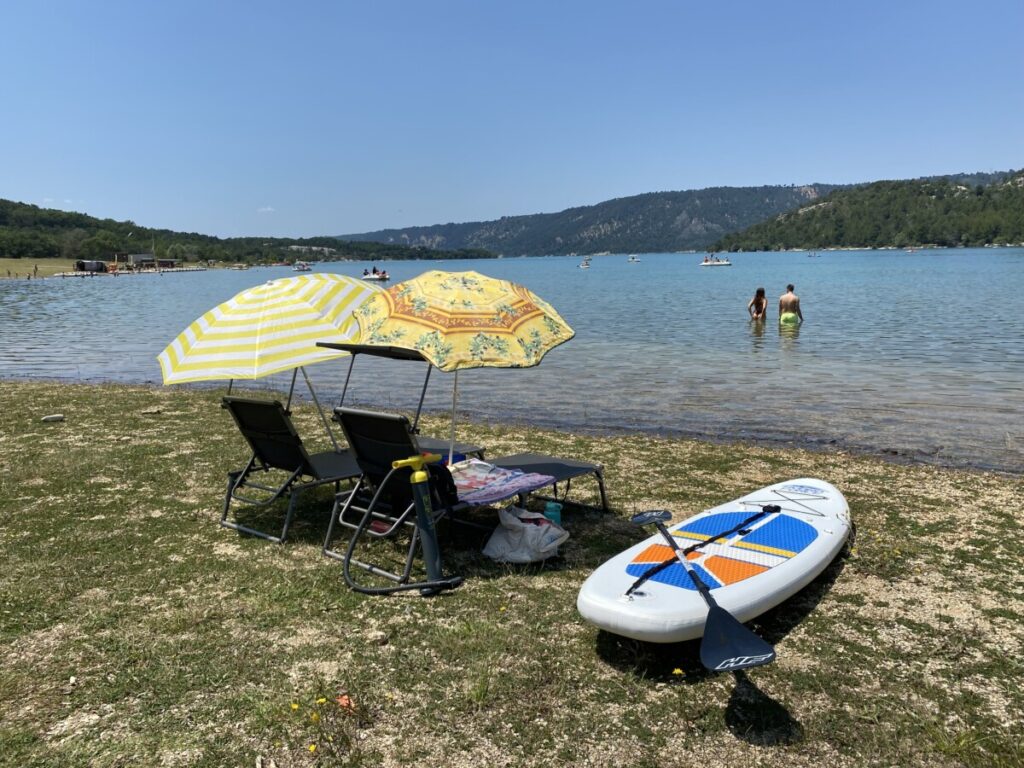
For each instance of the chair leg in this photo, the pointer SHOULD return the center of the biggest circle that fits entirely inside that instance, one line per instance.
(599, 474)
(288, 517)
(336, 512)
(232, 479)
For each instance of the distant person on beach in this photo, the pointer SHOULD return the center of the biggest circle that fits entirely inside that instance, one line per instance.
(758, 306)
(789, 307)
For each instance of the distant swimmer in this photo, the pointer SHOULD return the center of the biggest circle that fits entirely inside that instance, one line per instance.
(789, 307)
(758, 306)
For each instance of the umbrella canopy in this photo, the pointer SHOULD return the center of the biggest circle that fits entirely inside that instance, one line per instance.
(463, 320)
(460, 320)
(267, 329)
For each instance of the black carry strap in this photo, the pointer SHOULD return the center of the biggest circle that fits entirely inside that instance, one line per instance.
(654, 570)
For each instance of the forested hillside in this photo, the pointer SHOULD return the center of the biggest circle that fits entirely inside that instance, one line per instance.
(933, 212)
(27, 231)
(657, 221)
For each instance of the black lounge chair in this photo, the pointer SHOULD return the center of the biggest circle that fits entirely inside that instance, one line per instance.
(277, 450)
(563, 470)
(381, 503)
(429, 444)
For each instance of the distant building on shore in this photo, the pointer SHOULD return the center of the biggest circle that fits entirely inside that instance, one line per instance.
(140, 261)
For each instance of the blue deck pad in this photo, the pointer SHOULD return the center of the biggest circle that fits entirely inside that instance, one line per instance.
(675, 575)
(712, 525)
(783, 532)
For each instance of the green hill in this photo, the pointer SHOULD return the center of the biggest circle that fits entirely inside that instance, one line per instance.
(27, 231)
(653, 222)
(942, 211)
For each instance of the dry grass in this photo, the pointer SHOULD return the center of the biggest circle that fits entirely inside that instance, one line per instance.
(135, 631)
(22, 268)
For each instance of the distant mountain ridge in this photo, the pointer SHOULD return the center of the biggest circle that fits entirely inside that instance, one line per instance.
(651, 222)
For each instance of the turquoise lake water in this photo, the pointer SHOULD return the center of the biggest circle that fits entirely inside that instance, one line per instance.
(919, 355)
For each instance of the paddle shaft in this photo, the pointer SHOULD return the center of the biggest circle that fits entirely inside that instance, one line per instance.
(767, 509)
(681, 556)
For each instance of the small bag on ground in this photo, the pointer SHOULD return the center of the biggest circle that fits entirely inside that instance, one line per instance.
(524, 537)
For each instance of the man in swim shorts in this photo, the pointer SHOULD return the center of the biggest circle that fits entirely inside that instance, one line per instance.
(789, 308)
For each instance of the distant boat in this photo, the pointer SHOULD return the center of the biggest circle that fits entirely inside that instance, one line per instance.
(382, 276)
(633, 259)
(716, 263)
(302, 266)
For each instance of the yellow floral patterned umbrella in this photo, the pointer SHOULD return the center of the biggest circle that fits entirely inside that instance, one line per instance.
(463, 320)
(460, 320)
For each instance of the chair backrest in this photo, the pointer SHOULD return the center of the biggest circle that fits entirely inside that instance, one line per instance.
(377, 439)
(268, 429)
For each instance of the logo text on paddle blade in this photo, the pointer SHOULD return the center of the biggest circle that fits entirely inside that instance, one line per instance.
(739, 662)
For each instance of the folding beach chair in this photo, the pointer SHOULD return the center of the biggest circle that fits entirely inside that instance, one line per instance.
(277, 450)
(381, 504)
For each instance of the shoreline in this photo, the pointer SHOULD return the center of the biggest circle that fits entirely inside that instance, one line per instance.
(815, 444)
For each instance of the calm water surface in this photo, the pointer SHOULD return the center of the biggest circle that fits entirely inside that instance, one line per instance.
(919, 354)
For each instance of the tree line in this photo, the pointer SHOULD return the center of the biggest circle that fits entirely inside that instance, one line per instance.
(30, 232)
(901, 214)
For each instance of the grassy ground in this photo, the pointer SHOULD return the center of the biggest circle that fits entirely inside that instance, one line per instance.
(22, 268)
(136, 631)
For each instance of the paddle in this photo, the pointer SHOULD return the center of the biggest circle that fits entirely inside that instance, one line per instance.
(767, 509)
(727, 645)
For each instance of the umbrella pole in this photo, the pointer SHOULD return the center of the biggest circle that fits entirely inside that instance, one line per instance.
(419, 408)
(351, 362)
(455, 397)
(291, 389)
(231, 383)
(320, 410)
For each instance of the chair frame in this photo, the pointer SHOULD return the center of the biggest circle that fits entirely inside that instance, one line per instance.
(279, 448)
(374, 516)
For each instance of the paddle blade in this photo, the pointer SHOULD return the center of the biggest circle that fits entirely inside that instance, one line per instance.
(728, 645)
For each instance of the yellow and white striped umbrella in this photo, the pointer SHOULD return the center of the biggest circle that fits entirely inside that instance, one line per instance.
(270, 328)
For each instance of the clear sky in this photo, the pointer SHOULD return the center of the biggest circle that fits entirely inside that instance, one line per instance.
(334, 117)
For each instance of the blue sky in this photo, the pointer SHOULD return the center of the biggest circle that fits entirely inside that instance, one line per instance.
(309, 118)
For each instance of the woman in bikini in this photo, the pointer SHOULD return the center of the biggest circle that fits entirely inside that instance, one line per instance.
(758, 305)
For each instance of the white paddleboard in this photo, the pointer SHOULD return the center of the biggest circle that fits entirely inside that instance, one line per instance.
(757, 566)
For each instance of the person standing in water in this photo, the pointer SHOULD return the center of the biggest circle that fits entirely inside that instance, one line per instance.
(789, 307)
(758, 306)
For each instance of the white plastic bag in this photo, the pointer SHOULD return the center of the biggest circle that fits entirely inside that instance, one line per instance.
(524, 537)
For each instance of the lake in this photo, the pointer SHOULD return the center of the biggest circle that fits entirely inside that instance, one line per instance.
(919, 355)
